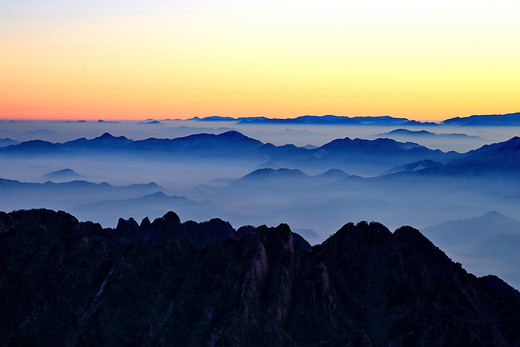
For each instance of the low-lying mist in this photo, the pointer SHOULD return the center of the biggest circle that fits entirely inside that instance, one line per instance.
(307, 195)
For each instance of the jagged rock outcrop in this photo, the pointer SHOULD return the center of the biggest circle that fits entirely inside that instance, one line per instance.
(164, 282)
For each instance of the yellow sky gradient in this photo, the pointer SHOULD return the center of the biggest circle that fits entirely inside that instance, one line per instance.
(251, 58)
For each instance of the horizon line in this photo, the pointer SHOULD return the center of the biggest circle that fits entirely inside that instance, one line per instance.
(102, 119)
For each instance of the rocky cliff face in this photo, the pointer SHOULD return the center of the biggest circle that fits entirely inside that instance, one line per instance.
(206, 284)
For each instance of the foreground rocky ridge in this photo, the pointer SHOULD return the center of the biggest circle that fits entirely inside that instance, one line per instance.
(164, 282)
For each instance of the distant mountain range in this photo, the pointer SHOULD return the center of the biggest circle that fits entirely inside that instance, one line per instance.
(510, 119)
(385, 150)
(198, 284)
(327, 120)
(204, 144)
(344, 153)
(400, 133)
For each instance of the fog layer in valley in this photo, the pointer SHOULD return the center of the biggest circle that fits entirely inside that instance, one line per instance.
(314, 190)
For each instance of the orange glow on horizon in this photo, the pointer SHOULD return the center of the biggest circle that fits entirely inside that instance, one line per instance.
(273, 59)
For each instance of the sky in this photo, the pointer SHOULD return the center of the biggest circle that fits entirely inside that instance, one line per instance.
(114, 59)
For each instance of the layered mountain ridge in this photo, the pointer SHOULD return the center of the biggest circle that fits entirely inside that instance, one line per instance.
(164, 282)
(369, 156)
(233, 145)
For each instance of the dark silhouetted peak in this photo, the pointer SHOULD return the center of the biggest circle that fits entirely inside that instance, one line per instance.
(145, 223)
(43, 216)
(362, 231)
(411, 234)
(109, 137)
(246, 230)
(170, 219)
(200, 284)
(202, 234)
(127, 225)
(89, 228)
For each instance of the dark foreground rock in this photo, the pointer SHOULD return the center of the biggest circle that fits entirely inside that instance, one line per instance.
(66, 283)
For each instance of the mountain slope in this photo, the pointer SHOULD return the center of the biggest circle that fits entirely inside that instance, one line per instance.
(199, 284)
(510, 119)
(500, 159)
(493, 157)
(33, 147)
(379, 147)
